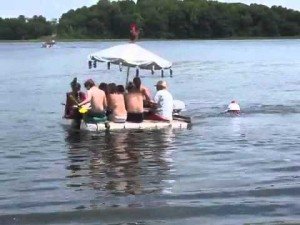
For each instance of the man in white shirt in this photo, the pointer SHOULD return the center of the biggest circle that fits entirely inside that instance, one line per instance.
(163, 107)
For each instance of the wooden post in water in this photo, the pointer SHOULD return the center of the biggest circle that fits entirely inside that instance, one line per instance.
(127, 78)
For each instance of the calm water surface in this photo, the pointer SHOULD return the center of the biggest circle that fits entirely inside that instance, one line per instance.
(224, 170)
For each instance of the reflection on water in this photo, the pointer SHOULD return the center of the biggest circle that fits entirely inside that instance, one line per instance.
(120, 163)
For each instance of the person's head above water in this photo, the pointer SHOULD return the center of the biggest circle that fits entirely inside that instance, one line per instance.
(233, 107)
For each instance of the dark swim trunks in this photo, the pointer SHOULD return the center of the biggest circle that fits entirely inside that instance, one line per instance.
(135, 117)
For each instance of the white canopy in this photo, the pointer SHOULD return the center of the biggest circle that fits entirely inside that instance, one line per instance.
(131, 55)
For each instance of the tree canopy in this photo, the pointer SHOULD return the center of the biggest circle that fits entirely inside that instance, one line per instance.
(22, 28)
(160, 19)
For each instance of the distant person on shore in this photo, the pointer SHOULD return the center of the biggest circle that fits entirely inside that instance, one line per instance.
(72, 99)
(233, 108)
(116, 104)
(162, 109)
(134, 104)
(96, 97)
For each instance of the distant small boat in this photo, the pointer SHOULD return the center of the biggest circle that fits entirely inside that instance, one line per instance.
(48, 44)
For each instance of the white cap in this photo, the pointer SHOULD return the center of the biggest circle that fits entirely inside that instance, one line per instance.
(161, 83)
(233, 106)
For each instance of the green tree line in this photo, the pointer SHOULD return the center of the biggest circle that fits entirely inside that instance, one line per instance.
(22, 28)
(161, 19)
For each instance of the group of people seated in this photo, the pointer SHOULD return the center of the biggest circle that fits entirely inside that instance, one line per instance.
(113, 102)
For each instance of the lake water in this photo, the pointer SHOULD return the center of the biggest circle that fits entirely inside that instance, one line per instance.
(224, 170)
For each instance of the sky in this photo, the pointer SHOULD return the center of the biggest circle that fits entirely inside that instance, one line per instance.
(55, 8)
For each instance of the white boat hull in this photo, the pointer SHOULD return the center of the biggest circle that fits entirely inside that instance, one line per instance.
(145, 125)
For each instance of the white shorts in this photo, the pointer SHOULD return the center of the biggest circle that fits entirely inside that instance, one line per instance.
(118, 119)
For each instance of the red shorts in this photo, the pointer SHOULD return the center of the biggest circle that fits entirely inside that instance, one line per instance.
(152, 116)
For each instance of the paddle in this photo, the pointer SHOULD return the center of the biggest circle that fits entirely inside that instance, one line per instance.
(81, 109)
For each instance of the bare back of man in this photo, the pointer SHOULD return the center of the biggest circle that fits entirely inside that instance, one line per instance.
(145, 92)
(117, 105)
(142, 88)
(97, 99)
(134, 102)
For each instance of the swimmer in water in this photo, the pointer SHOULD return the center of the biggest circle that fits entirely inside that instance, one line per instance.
(233, 108)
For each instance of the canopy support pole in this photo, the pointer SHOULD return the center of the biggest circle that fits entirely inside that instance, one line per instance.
(127, 78)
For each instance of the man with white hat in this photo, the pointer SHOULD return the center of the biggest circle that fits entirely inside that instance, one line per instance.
(163, 100)
(233, 107)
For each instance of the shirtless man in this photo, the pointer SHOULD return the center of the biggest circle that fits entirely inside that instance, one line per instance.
(144, 90)
(96, 97)
(134, 104)
(116, 104)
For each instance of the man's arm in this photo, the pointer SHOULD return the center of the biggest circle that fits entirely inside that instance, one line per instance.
(154, 104)
(87, 100)
(104, 101)
(147, 94)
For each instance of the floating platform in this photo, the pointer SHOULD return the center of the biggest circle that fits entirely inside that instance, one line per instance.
(145, 125)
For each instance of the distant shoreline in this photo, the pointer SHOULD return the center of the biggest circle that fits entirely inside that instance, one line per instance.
(150, 39)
